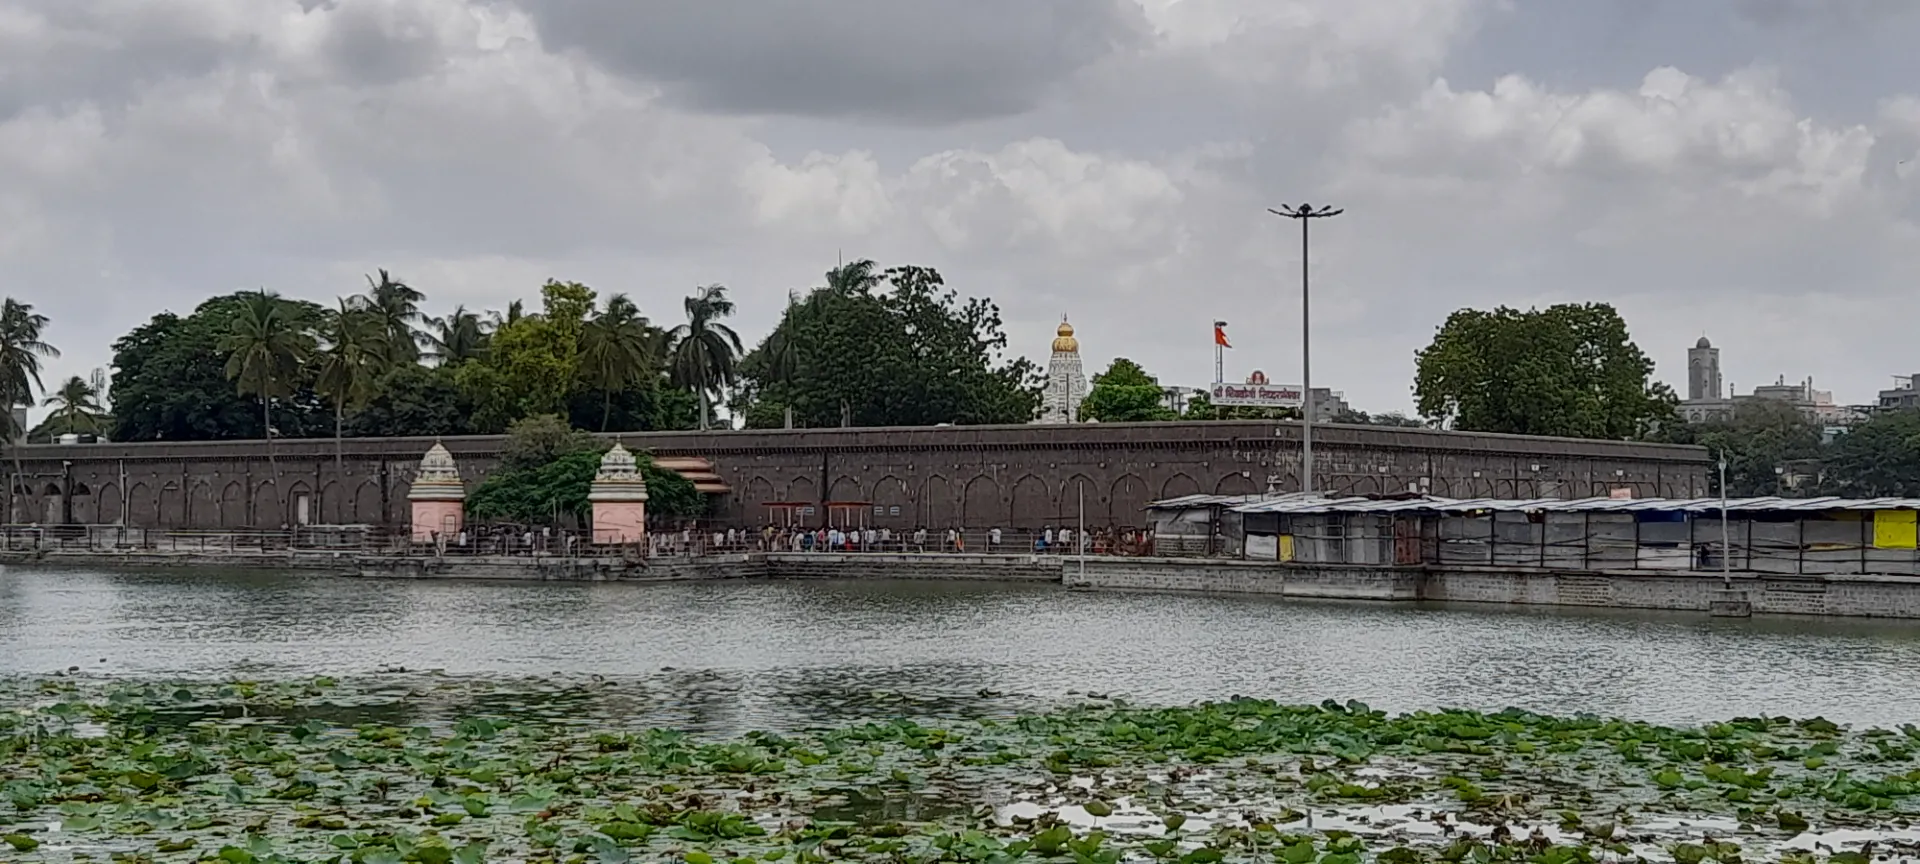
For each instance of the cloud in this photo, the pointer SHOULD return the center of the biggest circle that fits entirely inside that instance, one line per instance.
(1108, 160)
(1844, 13)
(923, 61)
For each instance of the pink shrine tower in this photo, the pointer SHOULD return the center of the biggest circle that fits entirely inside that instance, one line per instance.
(619, 496)
(438, 497)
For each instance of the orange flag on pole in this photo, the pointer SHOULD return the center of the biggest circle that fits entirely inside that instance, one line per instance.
(1220, 334)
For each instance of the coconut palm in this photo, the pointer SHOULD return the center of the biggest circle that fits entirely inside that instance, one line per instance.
(617, 350)
(397, 306)
(355, 351)
(265, 349)
(76, 406)
(783, 350)
(20, 352)
(456, 338)
(853, 276)
(515, 311)
(703, 353)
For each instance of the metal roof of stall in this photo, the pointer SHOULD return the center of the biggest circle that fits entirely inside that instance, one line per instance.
(1296, 503)
(1188, 502)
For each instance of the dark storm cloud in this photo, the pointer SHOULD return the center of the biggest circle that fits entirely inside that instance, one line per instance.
(106, 54)
(919, 61)
(1842, 12)
(101, 56)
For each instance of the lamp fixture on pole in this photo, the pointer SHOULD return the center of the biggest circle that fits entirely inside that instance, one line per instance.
(1305, 213)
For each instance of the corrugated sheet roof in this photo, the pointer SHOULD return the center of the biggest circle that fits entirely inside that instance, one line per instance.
(1297, 503)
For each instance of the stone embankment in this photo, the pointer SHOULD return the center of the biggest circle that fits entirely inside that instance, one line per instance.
(1883, 596)
(1768, 594)
(776, 565)
(304, 560)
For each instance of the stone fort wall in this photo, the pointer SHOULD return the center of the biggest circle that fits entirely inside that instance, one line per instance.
(981, 476)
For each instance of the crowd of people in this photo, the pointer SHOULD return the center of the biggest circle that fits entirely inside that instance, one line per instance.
(689, 540)
(993, 541)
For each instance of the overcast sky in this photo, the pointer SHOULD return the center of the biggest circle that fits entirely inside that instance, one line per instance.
(1742, 169)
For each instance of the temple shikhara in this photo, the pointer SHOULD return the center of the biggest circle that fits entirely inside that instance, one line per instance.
(1066, 381)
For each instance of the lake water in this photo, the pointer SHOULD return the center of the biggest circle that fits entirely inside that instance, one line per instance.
(762, 653)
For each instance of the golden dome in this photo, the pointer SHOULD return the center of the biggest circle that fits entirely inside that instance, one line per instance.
(1064, 341)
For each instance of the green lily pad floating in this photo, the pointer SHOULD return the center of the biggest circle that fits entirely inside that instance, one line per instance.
(444, 771)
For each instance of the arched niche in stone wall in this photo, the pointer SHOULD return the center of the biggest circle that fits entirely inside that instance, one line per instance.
(1127, 501)
(203, 506)
(1179, 485)
(107, 504)
(1237, 484)
(233, 505)
(82, 507)
(803, 490)
(142, 507)
(938, 511)
(846, 488)
(1031, 503)
(895, 497)
(366, 504)
(335, 509)
(982, 506)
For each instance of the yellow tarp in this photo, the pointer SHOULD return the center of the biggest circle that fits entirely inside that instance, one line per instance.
(1286, 547)
(1894, 529)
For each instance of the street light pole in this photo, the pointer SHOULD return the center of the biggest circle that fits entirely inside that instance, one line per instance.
(1306, 213)
(1726, 544)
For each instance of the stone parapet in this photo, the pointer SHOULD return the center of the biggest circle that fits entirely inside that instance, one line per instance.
(978, 477)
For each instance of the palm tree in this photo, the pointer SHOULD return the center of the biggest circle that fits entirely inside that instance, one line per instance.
(456, 338)
(76, 406)
(20, 353)
(515, 311)
(783, 351)
(356, 351)
(397, 306)
(265, 349)
(854, 276)
(703, 351)
(617, 349)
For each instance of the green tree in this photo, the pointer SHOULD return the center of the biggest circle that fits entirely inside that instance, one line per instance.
(529, 369)
(780, 352)
(547, 470)
(704, 353)
(1568, 370)
(21, 350)
(456, 338)
(914, 355)
(354, 351)
(497, 319)
(1763, 442)
(170, 384)
(617, 351)
(266, 347)
(1389, 418)
(1125, 393)
(532, 362)
(411, 400)
(76, 409)
(646, 406)
(396, 305)
(1877, 458)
